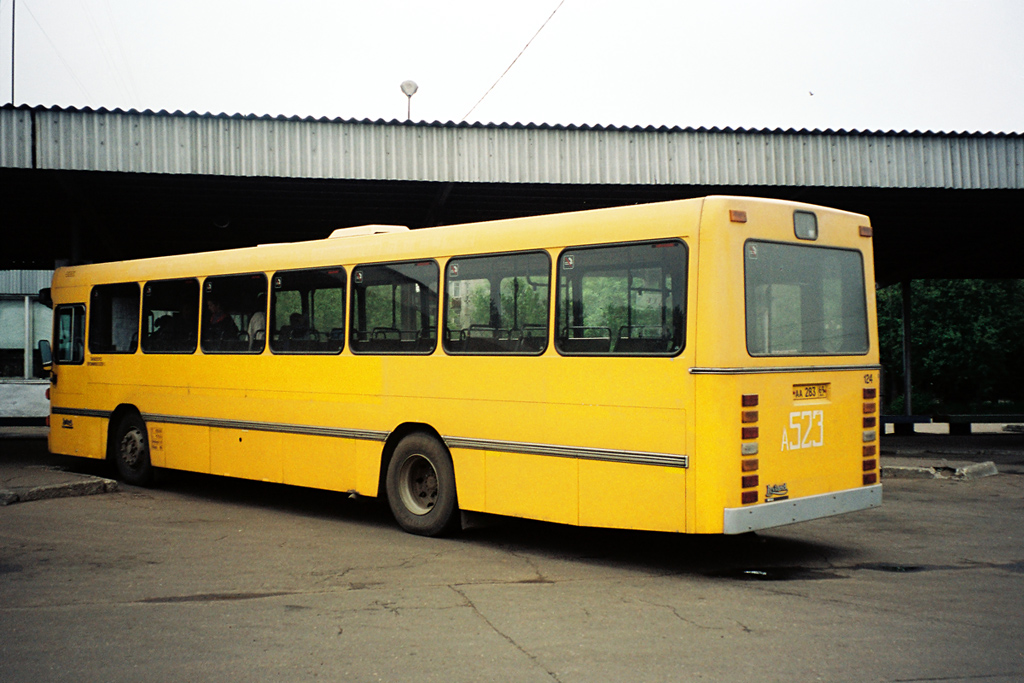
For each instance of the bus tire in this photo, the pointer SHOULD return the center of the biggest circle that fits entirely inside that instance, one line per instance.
(131, 452)
(421, 487)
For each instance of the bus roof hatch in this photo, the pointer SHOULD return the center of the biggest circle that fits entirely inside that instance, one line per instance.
(361, 230)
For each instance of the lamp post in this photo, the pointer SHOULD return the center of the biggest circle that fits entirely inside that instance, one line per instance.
(14, 6)
(409, 88)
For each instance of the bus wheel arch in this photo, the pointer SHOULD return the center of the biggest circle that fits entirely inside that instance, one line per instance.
(418, 478)
(128, 446)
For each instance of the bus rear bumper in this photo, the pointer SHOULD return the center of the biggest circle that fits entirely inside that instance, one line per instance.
(779, 513)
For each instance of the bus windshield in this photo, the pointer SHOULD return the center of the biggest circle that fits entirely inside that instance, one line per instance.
(804, 301)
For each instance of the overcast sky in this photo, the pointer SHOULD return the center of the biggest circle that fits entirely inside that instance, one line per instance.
(939, 65)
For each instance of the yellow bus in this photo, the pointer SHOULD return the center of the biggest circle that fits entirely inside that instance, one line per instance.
(696, 366)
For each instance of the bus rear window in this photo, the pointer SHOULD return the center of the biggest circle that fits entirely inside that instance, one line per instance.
(804, 301)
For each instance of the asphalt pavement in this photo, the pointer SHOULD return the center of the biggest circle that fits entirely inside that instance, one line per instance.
(210, 579)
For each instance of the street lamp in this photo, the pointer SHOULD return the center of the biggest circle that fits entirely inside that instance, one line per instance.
(409, 88)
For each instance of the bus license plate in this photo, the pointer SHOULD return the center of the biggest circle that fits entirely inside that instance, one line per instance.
(805, 392)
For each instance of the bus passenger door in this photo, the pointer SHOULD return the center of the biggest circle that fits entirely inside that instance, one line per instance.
(70, 432)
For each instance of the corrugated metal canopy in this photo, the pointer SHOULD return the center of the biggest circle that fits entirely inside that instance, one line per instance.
(279, 147)
(84, 185)
(24, 281)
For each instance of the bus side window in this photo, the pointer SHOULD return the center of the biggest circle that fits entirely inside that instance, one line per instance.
(170, 316)
(69, 331)
(497, 304)
(114, 323)
(624, 299)
(307, 311)
(232, 306)
(394, 308)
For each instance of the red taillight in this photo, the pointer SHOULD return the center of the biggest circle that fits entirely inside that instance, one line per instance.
(749, 497)
(869, 394)
(870, 478)
(749, 400)
(749, 432)
(47, 393)
(869, 465)
(869, 423)
(750, 481)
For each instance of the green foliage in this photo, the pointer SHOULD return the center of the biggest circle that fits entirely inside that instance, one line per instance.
(523, 303)
(967, 345)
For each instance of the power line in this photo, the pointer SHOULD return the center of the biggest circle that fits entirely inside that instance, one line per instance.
(59, 55)
(514, 60)
(119, 80)
(124, 57)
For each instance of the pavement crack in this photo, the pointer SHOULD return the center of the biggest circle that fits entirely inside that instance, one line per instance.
(533, 658)
(540, 578)
(686, 620)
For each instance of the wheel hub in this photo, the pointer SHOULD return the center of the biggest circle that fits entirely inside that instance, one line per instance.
(132, 446)
(418, 485)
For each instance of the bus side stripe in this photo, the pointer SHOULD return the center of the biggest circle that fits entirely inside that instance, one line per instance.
(774, 370)
(577, 452)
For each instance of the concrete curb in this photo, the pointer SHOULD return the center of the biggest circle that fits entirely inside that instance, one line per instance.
(977, 470)
(85, 486)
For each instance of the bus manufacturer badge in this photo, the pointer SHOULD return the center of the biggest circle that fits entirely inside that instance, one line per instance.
(66, 423)
(776, 492)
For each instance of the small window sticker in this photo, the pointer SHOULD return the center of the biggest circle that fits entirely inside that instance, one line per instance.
(357, 277)
(277, 282)
(752, 252)
(209, 286)
(568, 261)
(453, 270)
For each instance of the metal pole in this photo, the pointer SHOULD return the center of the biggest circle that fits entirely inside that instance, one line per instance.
(907, 406)
(14, 5)
(29, 333)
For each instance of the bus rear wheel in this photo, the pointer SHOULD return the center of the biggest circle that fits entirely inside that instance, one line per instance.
(421, 487)
(131, 452)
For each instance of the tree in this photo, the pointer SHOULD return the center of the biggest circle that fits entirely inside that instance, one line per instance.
(967, 345)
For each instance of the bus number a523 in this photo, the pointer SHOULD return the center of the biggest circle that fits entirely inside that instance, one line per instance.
(806, 430)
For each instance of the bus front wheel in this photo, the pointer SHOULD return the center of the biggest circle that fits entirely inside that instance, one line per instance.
(421, 487)
(131, 452)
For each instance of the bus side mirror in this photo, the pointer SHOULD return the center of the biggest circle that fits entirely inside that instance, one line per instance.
(45, 358)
